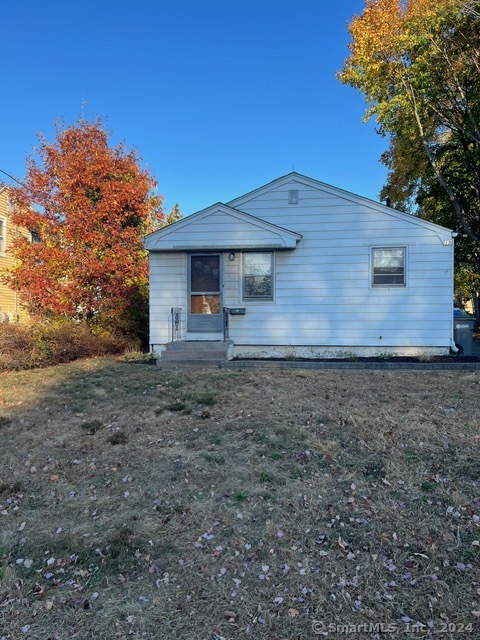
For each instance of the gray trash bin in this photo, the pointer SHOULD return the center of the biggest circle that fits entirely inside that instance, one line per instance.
(463, 326)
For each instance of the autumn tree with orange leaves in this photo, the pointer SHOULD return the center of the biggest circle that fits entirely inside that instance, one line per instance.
(417, 62)
(90, 205)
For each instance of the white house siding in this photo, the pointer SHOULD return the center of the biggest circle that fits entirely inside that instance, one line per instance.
(323, 293)
(168, 275)
(324, 303)
(219, 230)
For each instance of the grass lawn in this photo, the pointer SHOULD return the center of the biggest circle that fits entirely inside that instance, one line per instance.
(200, 505)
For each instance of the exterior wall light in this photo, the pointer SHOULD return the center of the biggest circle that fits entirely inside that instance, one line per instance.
(231, 257)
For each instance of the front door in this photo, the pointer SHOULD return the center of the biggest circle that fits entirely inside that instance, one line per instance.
(204, 295)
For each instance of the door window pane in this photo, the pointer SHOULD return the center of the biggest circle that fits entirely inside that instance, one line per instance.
(205, 274)
(201, 305)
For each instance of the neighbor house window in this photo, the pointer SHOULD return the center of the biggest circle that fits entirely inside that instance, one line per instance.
(3, 236)
(388, 267)
(258, 275)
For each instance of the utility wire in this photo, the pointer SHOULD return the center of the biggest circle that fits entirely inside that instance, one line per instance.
(12, 178)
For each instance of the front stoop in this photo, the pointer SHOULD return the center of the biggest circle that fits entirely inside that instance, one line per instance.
(194, 354)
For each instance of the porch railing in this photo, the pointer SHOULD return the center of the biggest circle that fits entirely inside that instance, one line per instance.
(226, 320)
(176, 323)
(176, 320)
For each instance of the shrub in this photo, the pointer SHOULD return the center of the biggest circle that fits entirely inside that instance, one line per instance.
(41, 344)
(129, 323)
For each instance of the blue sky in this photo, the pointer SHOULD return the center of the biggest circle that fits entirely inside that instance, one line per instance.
(218, 97)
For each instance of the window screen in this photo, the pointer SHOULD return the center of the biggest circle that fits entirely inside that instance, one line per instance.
(388, 267)
(258, 276)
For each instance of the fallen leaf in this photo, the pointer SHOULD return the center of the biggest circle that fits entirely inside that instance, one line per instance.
(293, 613)
(230, 616)
(39, 592)
(341, 543)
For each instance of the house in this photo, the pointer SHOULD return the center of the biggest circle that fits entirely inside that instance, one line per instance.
(298, 268)
(10, 305)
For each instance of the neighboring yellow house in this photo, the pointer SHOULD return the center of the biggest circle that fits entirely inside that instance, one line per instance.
(10, 306)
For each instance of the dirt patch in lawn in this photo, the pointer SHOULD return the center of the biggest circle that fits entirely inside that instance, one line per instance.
(137, 502)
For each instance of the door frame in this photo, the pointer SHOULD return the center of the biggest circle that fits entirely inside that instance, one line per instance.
(208, 326)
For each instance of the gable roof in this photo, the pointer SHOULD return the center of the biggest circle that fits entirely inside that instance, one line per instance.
(221, 227)
(225, 226)
(293, 176)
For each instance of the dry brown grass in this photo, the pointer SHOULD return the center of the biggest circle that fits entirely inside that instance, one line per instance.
(146, 503)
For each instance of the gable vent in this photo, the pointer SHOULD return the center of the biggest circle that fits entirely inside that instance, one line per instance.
(293, 196)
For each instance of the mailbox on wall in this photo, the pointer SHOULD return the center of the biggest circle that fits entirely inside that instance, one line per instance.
(237, 311)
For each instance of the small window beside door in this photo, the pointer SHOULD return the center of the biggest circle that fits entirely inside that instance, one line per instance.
(257, 275)
(389, 267)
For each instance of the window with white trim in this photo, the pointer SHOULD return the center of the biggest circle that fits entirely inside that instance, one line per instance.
(3, 236)
(389, 267)
(257, 275)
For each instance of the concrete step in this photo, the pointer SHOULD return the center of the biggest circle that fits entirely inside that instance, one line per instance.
(198, 346)
(194, 354)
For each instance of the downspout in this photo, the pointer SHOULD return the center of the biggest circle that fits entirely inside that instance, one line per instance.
(453, 346)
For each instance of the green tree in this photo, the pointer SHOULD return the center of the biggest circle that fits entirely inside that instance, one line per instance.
(174, 215)
(412, 186)
(417, 62)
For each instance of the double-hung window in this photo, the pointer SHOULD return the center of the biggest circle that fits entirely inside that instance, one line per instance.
(389, 267)
(258, 275)
(3, 236)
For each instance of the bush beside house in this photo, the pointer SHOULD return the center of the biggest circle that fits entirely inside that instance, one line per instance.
(40, 344)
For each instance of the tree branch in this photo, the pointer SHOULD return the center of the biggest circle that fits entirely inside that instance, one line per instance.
(457, 205)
